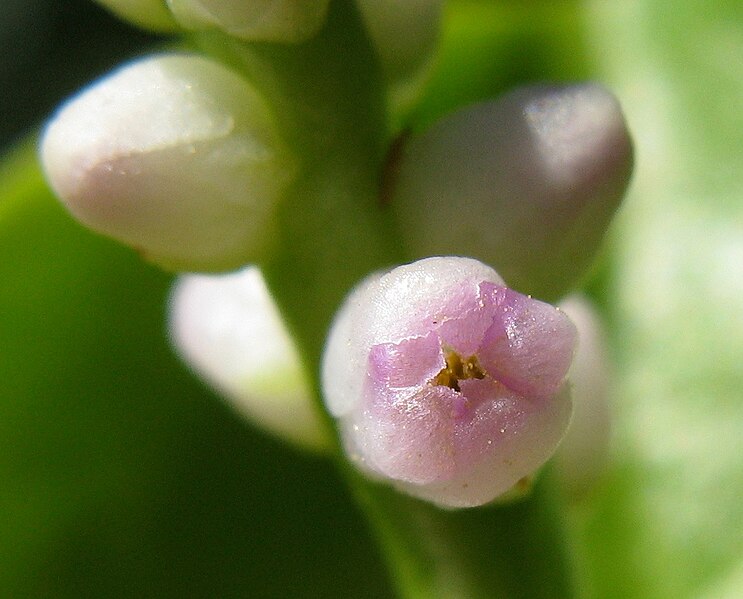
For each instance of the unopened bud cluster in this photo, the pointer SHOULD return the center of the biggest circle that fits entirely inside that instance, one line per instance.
(447, 379)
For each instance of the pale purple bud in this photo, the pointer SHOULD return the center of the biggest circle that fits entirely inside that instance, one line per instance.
(287, 21)
(447, 383)
(527, 183)
(175, 155)
(582, 456)
(151, 14)
(228, 329)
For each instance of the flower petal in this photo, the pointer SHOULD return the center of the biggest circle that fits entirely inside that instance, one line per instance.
(529, 346)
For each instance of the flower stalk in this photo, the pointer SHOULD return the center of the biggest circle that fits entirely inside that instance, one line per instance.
(330, 230)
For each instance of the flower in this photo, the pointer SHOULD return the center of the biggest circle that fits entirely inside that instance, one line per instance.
(175, 155)
(528, 183)
(229, 330)
(447, 383)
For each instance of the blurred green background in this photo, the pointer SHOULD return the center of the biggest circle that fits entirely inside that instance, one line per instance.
(121, 476)
(49, 50)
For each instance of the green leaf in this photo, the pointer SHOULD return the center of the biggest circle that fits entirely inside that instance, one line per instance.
(667, 521)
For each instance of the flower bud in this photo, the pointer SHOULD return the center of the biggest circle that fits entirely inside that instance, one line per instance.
(176, 156)
(528, 183)
(151, 14)
(227, 328)
(583, 453)
(287, 21)
(404, 35)
(447, 383)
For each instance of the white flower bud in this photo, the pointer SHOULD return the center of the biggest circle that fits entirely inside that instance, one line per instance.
(147, 13)
(527, 183)
(227, 328)
(174, 155)
(288, 21)
(582, 455)
(446, 383)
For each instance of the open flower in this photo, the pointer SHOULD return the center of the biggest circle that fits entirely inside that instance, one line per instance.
(446, 382)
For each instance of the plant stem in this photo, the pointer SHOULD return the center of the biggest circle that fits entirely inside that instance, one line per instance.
(504, 551)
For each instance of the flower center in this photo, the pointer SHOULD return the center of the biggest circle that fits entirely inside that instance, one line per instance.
(458, 369)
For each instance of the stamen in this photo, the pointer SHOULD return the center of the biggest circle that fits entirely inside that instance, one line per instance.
(457, 369)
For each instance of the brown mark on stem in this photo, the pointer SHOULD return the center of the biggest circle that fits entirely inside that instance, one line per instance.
(391, 168)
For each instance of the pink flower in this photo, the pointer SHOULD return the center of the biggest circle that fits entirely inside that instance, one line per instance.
(447, 383)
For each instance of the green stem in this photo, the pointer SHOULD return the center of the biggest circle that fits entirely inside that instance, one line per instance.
(509, 551)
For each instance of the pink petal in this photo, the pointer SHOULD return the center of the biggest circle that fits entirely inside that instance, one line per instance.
(529, 346)
(411, 438)
(527, 440)
(404, 364)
